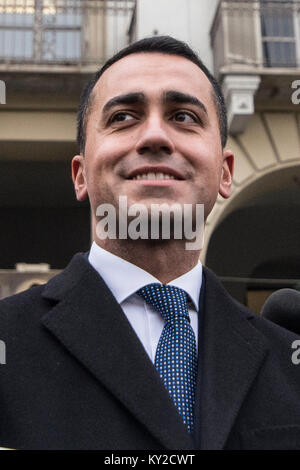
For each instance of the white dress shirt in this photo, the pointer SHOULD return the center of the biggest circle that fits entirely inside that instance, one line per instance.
(124, 279)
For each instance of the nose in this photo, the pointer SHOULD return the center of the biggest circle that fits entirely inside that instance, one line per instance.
(154, 138)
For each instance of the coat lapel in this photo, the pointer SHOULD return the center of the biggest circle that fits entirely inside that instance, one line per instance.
(232, 354)
(90, 323)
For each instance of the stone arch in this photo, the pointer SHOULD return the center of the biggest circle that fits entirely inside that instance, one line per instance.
(271, 143)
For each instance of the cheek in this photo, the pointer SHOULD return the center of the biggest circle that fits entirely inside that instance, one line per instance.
(106, 152)
(205, 159)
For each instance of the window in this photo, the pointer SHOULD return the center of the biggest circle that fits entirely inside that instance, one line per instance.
(16, 29)
(41, 30)
(278, 33)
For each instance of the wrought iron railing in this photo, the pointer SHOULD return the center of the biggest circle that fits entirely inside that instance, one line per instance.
(250, 34)
(62, 31)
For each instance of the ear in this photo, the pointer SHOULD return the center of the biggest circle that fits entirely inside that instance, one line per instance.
(78, 177)
(227, 173)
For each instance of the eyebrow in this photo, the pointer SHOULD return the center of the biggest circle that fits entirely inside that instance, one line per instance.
(178, 97)
(126, 99)
(171, 96)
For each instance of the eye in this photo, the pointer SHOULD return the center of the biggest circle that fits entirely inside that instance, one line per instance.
(121, 117)
(185, 117)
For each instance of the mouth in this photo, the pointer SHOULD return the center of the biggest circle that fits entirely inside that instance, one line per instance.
(157, 173)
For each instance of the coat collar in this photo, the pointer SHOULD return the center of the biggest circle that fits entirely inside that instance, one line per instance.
(87, 319)
(232, 354)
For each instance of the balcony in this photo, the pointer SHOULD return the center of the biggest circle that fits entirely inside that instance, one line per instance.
(255, 36)
(61, 33)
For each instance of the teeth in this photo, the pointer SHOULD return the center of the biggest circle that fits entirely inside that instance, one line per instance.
(154, 176)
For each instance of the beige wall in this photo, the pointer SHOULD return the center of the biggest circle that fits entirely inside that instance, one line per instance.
(40, 126)
(36, 125)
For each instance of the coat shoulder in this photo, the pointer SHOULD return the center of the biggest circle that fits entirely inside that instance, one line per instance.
(14, 306)
(280, 341)
(267, 327)
(34, 301)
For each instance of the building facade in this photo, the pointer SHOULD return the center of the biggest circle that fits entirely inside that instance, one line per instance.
(48, 51)
(253, 48)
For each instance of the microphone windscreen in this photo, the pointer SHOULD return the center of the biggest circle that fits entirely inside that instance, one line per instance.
(283, 308)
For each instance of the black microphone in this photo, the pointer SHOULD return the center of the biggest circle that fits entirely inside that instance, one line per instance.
(283, 308)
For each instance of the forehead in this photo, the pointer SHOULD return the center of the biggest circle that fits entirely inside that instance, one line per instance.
(152, 74)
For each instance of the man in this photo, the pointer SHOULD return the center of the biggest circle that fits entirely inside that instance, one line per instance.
(135, 345)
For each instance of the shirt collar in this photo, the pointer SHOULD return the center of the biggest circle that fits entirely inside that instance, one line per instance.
(124, 278)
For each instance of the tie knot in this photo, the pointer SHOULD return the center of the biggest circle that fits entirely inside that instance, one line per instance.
(170, 301)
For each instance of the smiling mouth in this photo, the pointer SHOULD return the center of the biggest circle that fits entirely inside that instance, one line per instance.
(155, 174)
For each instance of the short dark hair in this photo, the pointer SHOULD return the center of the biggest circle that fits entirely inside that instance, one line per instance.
(164, 45)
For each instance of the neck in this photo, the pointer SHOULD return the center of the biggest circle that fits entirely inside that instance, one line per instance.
(164, 259)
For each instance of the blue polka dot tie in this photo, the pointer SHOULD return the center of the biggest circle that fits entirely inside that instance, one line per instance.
(176, 356)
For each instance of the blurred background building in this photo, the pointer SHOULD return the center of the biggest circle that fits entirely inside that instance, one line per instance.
(49, 48)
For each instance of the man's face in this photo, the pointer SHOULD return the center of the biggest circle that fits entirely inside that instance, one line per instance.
(153, 136)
